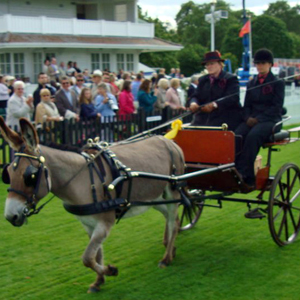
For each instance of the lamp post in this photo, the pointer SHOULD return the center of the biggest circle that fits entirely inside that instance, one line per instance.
(212, 18)
(212, 25)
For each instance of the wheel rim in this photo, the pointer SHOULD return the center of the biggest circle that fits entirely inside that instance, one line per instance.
(188, 217)
(284, 205)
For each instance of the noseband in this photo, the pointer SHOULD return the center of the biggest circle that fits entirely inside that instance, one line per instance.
(32, 177)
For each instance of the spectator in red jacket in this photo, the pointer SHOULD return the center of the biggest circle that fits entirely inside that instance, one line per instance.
(126, 100)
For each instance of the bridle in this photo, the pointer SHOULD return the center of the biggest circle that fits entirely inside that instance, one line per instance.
(32, 177)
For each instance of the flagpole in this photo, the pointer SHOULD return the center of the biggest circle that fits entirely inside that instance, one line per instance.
(250, 41)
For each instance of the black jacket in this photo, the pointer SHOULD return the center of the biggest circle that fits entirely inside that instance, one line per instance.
(229, 109)
(190, 92)
(264, 103)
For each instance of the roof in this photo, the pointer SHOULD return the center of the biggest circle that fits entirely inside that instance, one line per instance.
(17, 40)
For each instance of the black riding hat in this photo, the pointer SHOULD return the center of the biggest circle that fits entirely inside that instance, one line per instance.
(263, 55)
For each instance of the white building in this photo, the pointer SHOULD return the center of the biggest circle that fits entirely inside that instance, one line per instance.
(97, 34)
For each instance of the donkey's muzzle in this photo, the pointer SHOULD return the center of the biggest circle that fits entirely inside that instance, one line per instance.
(16, 220)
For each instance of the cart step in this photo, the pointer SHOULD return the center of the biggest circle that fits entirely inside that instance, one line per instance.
(254, 214)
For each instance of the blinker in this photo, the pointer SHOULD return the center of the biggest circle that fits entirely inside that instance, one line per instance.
(5, 175)
(30, 175)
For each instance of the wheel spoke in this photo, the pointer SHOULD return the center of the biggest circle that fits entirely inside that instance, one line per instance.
(295, 197)
(278, 213)
(281, 190)
(293, 183)
(295, 208)
(292, 218)
(288, 173)
(282, 223)
(286, 228)
(194, 208)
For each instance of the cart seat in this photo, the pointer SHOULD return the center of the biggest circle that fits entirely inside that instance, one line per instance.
(279, 136)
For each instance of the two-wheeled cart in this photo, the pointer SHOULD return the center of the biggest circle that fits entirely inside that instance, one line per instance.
(206, 148)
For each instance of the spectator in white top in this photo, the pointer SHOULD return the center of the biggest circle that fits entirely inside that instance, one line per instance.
(97, 79)
(4, 93)
(18, 106)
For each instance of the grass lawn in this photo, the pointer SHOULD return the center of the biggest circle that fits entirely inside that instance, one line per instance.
(224, 257)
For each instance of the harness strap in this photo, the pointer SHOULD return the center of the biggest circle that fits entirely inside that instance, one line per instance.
(95, 208)
(93, 188)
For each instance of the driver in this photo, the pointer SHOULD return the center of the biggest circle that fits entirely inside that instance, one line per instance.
(215, 85)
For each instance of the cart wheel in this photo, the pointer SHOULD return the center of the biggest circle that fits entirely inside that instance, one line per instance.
(284, 205)
(188, 217)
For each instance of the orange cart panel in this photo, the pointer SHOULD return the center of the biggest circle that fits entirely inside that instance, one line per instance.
(207, 146)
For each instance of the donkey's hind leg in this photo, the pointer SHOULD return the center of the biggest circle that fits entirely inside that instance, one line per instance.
(171, 230)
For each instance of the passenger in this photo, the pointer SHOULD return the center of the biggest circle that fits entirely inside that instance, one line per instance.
(211, 87)
(262, 109)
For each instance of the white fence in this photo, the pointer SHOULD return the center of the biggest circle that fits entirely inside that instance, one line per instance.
(44, 25)
(291, 102)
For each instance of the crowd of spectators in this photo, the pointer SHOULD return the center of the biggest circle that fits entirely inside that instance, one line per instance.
(70, 93)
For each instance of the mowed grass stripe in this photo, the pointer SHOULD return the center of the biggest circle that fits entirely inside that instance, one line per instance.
(224, 257)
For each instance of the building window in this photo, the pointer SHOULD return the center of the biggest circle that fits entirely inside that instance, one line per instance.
(19, 66)
(5, 66)
(37, 65)
(121, 12)
(50, 55)
(95, 58)
(130, 62)
(120, 62)
(105, 62)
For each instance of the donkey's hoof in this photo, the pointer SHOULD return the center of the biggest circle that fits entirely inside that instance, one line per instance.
(93, 289)
(162, 265)
(112, 271)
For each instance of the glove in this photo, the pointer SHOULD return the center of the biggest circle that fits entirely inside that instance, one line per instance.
(208, 107)
(251, 122)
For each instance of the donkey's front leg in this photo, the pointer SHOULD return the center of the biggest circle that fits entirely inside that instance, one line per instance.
(92, 258)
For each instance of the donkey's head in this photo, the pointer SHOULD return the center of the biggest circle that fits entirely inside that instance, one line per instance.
(27, 174)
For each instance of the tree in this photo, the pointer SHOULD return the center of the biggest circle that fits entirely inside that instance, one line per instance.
(166, 59)
(193, 29)
(289, 15)
(190, 58)
(270, 32)
(232, 43)
(296, 42)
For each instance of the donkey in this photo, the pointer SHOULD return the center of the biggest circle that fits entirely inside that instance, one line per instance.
(66, 175)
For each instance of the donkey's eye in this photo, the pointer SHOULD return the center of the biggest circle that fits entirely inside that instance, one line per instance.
(30, 176)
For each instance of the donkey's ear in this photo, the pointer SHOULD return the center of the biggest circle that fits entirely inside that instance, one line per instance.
(10, 136)
(29, 134)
